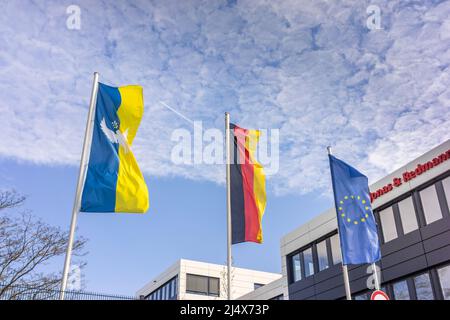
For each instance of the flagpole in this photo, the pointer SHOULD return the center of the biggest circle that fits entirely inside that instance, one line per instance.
(348, 292)
(227, 143)
(79, 190)
(375, 276)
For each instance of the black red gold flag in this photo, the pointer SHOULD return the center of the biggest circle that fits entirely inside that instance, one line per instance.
(248, 188)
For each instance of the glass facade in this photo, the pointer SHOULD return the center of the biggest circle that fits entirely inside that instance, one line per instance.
(388, 224)
(296, 267)
(421, 207)
(422, 283)
(327, 251)
(362, 296)
(336, 249)
(322, 255)
(408, 215)
(430, 204)
(168, 291)
(444, 280)
(401, 291)
(308, 262)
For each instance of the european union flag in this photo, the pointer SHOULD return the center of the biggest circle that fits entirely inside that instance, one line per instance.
(357, 226)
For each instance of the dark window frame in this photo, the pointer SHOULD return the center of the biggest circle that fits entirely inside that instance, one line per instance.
(158, 293)
(314, 260)
(414, 284)
(437, 182)
(313, 246)
(209, 293)
(397, 219)
(412, 291)
(291, 269)
(418, 207)
(316, 255)
(421, 222)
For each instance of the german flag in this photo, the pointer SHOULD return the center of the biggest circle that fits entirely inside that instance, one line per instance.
(248, 186)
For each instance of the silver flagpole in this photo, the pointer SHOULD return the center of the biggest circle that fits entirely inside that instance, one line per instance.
(227, 143)
(375, 276)
(79, 190)
(348, 292)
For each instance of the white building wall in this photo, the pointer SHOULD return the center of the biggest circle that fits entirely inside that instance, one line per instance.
(158, 281)
(327, 222)
(243, 280)
(267, 292)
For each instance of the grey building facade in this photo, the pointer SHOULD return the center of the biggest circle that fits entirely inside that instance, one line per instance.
(411, 207)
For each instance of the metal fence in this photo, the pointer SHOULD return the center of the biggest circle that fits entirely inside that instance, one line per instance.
(30, 293)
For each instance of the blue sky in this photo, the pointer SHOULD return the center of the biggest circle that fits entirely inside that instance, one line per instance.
(311, 69)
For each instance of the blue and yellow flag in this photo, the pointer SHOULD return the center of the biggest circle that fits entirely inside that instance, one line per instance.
(114, 182)
(357, 226)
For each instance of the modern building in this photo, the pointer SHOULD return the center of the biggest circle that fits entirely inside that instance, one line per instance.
(194, 280)
(274, 290)
(411, 207)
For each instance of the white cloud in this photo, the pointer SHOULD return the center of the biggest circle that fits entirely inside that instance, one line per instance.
(312, 69)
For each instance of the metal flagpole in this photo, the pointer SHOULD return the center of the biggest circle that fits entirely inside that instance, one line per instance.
(227, 143)
(348, 292)
(81, 178)
(375, 276)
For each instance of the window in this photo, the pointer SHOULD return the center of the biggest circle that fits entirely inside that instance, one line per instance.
(173, 289)
(423, 287)
(407, 215)
(446, 185)
(296, 267)
(309, 264)
(362, 296)
(430, 204)
(202, 285)
(197, 284)
(257, 285)
(401, 291)
(444, 279)
(336, 249)
(280, 297)
(214, 289)
(322, 255)
(388, 224)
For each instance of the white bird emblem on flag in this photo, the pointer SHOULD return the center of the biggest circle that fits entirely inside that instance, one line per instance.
(115, 136)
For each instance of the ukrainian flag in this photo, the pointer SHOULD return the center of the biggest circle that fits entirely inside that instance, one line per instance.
(114, 182)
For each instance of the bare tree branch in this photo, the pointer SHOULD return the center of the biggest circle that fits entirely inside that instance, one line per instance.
(26, 245)
(10, 199)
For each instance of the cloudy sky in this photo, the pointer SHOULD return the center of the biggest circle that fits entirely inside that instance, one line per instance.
(312, 69)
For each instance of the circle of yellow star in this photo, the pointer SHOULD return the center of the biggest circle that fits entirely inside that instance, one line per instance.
(344, 214)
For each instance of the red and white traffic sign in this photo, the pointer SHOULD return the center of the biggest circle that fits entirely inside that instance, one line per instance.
(379, 295)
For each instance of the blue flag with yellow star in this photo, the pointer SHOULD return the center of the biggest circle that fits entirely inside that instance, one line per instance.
(357, 226)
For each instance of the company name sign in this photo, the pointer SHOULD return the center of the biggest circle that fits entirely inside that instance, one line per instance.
(410, 175)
